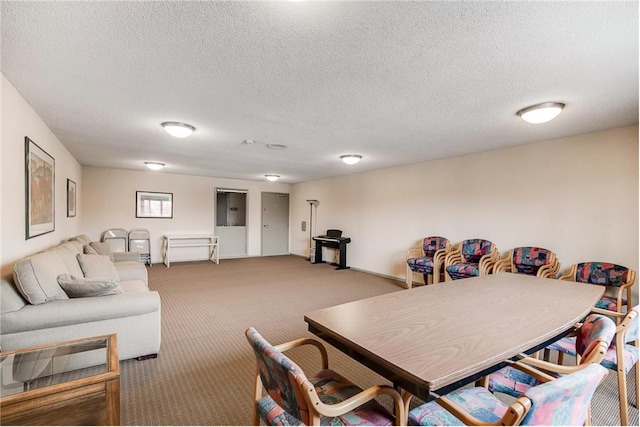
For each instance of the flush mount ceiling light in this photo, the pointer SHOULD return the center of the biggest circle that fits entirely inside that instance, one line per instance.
(541, 113)
(276, 146)
(272, 177)
(154, 166)
(351, 159)
(177, 129)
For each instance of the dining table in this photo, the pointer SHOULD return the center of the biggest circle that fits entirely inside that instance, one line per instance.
(437, 338)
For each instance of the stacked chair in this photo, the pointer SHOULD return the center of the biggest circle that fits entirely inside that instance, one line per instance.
(427, 260)
(621, 356)
(117, 238)
(529, 260)
(325, 399)
(472, 258)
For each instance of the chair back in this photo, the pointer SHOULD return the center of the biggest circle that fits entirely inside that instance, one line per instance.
(596, 331)
(474, 249)
(564, 401)
(278, 374)
(603, 273)
(529, 259)
(432, 244)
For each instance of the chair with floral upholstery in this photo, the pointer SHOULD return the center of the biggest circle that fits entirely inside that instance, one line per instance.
(529, 260)
(622, 355)
(562, 401)
(472, 258)
(593, 337)
(617, 279)
(427, 260)
(324, 399)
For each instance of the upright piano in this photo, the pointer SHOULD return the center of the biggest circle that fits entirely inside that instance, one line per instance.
(333, 239)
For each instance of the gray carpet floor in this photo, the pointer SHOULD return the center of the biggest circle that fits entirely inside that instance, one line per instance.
(205, 370)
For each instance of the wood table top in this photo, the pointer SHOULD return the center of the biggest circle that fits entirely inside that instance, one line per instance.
(434, 336)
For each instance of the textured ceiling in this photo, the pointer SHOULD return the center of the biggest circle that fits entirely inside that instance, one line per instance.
(397, 82)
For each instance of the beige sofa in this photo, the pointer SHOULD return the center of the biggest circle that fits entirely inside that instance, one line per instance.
(36, 310)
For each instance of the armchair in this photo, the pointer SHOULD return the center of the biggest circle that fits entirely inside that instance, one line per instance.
(427, 260)
(617, 279)
(529, 260)
(621, 356)
(472, 258)
(561, 401)
(327, 398)
(594, 338)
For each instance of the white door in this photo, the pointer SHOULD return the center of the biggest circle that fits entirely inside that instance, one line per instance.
(275, 224)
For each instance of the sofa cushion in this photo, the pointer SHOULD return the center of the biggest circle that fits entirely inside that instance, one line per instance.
(80, 287)
(88, 249)
(82, 238)
(36, 277)
(99, 266)
(131, 270)
(76, 311)
(68, 252)
(102, 248)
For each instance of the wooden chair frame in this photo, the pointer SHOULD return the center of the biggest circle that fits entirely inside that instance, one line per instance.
(549, 270)
(316, 407)
(485, 265)
(438, 261)
(624, 288)
(626, 320)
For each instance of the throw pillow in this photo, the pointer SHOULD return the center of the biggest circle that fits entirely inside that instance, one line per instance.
(102, 248)
(80, 287)
(98, 266)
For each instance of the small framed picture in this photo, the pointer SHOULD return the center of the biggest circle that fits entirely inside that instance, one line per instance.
(151, 204)
(39, 191)
(71, 198)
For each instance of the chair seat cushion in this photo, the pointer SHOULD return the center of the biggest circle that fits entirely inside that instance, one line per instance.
(477, 401)
(630, 357)
(511, 381)
(331, 389)
(463, 270)
(609, 303)
(421, 265)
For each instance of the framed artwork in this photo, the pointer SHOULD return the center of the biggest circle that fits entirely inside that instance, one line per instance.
(151, 204)
(39, 190)
(71, 198)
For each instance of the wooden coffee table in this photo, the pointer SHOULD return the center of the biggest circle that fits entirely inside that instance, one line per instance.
(43, 385)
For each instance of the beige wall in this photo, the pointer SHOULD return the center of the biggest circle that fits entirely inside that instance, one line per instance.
(19, 120)
(109, 202)
(577, 196)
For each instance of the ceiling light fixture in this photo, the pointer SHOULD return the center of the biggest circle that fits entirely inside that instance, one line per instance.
(178, 129)
(154, 166)
(276, 146)
(351, 159)
(272, 178)
(541, 113)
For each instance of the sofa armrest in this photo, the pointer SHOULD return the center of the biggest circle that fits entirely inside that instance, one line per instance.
(126, 256)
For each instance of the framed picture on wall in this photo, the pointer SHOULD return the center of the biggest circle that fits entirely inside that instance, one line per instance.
(151, 204)
(39, 190)
(71, 198)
